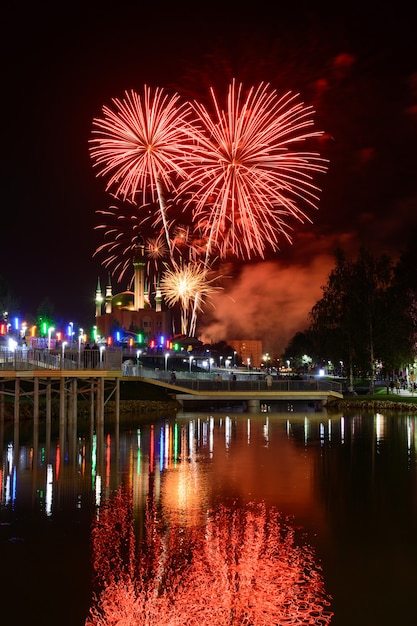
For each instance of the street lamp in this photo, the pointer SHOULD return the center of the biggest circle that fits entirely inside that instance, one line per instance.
(102, 348)
(191, 361)
(234, 358)
(64, 343)
(166, 360)
(80, 336)
(221, 359)
(50, 331)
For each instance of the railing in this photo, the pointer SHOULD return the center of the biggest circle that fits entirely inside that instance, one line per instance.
(207, 381)
(112, 359)
(71, 359)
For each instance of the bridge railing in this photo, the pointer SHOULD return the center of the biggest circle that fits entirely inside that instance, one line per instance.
(258, 385)
(71, 359)
(206, 382)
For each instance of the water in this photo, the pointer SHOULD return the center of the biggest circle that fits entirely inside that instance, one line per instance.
(346, 484)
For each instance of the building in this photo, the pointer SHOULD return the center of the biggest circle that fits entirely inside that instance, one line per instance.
(249, 351)
(130, 313)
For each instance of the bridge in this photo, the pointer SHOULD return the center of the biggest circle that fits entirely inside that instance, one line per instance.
(251, 391)
(97, 375)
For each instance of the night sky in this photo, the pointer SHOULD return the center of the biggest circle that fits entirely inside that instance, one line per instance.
(356, 67)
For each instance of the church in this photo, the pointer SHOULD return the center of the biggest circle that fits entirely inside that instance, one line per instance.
(130, 314)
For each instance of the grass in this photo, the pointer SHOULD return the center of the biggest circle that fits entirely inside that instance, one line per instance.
(381, 395)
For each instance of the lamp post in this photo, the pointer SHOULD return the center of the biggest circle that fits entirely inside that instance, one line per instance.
(191, 362)
(64, 343)
(166, 360)
(102, 348)
(80, 336)
(221, 359)
(50, 331)
(234, 358)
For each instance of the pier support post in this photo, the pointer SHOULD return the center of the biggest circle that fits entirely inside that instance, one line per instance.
(254, 406)
(35, 402)
(16, 419)
(1, 403)
(62, 403)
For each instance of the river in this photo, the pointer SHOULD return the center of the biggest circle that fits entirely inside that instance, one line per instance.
(320, 508)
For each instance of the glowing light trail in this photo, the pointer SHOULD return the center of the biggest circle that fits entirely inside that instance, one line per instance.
(249, 174)
(141, 145)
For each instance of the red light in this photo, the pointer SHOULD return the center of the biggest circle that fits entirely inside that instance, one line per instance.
(3, 329)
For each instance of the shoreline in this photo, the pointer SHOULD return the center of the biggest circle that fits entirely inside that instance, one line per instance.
(147, 407)
(371, 405)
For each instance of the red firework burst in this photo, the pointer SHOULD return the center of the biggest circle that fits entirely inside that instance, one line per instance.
(142, 144)
(249, 175)
(124, 228)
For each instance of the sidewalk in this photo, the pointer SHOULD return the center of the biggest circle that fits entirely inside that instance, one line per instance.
(402, 392)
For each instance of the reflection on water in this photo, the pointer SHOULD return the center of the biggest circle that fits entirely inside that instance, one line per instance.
(347, 483)
(241, 567)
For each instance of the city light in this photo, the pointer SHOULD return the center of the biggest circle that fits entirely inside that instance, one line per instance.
(50, 331)
(64, 343)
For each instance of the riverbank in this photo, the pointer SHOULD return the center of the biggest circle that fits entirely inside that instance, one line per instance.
(377, 402)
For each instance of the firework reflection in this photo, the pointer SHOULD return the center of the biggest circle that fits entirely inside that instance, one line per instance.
(242, 566)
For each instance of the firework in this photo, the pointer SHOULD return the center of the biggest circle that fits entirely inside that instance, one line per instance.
(189, 286)
(249, 175)
(123, 229)
(141, 144)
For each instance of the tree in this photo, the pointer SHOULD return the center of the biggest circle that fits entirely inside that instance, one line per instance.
(301, 345)
(332, 317)
(350, 320)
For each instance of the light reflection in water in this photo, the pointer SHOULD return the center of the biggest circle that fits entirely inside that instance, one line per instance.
(187, 465)
(241, 566)
(379, 421)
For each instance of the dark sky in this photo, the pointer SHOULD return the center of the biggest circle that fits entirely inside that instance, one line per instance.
(356, 66)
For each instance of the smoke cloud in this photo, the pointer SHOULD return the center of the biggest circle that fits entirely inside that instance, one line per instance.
(268, 301)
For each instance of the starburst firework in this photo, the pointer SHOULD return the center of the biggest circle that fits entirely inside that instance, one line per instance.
(190, 286)
(141, 145)
(248, 174)
(124, 228)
